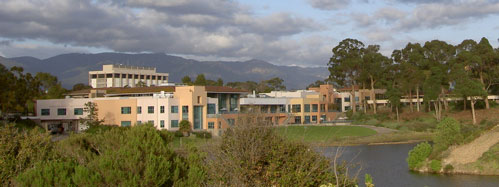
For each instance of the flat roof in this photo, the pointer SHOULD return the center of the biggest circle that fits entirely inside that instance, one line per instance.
(155, 89)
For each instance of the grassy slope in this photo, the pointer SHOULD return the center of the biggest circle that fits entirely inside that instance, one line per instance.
(323, 134)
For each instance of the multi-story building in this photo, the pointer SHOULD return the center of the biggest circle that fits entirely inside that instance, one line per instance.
(126, 76)
(208, 108)
(315, 105)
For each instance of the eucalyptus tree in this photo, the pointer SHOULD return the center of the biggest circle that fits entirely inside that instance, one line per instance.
(467, 86)
(412, 62)
(374, 67)
(485, 67)
(344, 65)
(439, 54)
(432, 90)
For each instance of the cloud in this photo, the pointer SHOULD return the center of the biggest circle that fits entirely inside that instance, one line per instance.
(220, 28)
(329, 4)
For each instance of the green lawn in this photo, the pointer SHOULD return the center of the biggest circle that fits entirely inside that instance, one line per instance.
(323, 133)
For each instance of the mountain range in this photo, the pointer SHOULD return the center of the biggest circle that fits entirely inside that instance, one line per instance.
(73, 68)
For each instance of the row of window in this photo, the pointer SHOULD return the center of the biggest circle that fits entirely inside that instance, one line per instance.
(309, 119)
(130, 76)
(308, 108)
(61, 111)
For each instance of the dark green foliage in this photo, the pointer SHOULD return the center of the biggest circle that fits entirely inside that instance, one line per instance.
(418, 155)
(185, 126)
(202, 134)
(435, 165)
(137, 156)
(263, 86)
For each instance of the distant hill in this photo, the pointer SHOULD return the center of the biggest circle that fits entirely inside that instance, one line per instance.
(73, 68)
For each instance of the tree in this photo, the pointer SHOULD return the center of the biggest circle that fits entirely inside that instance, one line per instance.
(418, 155)
(317, 83)
(187, 80)
(344, 65)
(200, 80)
(141, 84)
(80, 86)
(185, 127)
(393, 93)
(220, 82)
(50, 86)
(485, 67)
(274, 84)
(92, 117)
(466, 86)
(448, 133)
(373, 68)
(432, 90)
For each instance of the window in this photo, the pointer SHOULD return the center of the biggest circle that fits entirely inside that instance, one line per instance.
(154, 77)
(61, 111)
(296, 108)
(94, 76)
(219, 124)
(307, 119)
(314, 118)
(139, 110)
(315, 108)
(323, 107)
(126, 123)
(162, 123)
(101, 76)
(150, 109)
(126, 110)
(283, 108)
(211, 125)
(151, 122)
(174, 123)
(264, 109)
(199, 99)
(148, 77)
(297, 119)
(356, 98)
(185, 112)
(367, 98)
(273, 109)
(289, 108)
(109, 75)
(346, 99)
(174, 109)
(78, 111)
(136, 76)
(307, 107)
(141, 76)
(347, 107)
(233, 102)
(117, 75)
(212, 108)
(139, 122)
(323, 118)
(45, 112)
(162, 109)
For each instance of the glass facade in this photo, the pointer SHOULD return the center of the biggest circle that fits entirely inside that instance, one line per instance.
(233, 102)
(198, 117)
(185, 112)
(212, 109)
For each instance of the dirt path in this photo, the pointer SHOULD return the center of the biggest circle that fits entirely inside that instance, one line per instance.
(471, 152)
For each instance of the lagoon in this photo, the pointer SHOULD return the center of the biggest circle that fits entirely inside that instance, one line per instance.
(387, 165)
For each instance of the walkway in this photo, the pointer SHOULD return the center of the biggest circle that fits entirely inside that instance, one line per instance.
(471, 152)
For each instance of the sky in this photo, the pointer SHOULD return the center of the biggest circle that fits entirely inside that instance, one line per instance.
(282, 32)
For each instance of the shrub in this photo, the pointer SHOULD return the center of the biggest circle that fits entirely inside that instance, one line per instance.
(418, 155)
(435, 165)
(185, 126)
(252, 154)
(20, 149)
(136, 156)
(368, 180)
(349, 114)
(202, 134)
(448, 132)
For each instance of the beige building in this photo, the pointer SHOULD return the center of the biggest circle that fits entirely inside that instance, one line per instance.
(126, 76)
